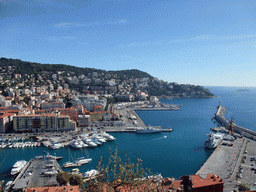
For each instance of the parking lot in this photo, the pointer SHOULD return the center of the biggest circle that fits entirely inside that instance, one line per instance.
(247, 168)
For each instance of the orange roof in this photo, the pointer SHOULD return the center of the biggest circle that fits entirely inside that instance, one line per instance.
(98, 112)
(211, 179)
(1, 108)
(8, 98)
(98, 106)
(36, 115)
(12, 111)
(54, 189)
(7, 115)
(65, 109)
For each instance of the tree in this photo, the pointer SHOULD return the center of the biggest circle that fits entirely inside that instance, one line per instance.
(76, 179)
(67, 100)
(62, 178)
(243, 187)
(120, 173)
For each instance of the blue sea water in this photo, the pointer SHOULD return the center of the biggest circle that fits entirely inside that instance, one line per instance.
(181, 153)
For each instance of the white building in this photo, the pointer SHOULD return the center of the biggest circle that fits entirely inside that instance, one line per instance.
(83, 120)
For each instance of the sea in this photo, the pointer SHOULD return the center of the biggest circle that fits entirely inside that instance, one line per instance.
(180, 153)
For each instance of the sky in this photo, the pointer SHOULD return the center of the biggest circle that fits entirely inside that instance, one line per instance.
(198, 42)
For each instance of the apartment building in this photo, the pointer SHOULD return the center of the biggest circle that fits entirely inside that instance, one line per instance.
(6, 120)
(40, 123)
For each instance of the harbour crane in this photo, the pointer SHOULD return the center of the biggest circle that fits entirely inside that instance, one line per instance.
(231, 128)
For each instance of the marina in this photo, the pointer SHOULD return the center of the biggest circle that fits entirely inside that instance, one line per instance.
(184, 147)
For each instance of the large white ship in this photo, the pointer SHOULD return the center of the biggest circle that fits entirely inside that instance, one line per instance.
(18, 166)
(143, 130)
(214, 139)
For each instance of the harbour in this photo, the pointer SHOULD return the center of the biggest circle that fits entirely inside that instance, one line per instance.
(182, 152)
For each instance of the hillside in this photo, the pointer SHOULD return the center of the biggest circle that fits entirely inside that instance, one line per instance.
(90, 79)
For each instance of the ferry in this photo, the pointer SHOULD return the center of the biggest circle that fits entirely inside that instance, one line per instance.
(144, 130)
(213, 140)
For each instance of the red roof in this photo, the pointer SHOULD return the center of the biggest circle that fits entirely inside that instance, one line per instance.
(54, 189)
(211, 179)
(7, 115)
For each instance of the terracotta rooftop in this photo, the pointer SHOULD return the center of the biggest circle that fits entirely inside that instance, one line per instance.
(54, 189)
(98, 112)
(7, 115)
(211, 179)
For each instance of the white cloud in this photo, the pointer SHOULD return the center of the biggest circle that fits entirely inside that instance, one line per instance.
(122, 21)
(67, 24)
(69, 37)
(212, 37)
(83, 43)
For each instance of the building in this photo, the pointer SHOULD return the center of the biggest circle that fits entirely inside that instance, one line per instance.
(100, 115)
(98, 108)
(196, 183)
(6, 120)
(52, 105)
(83, 120)
(141, 96)
(71, 112)
(54, 189)
(40, 123)
(40, 89)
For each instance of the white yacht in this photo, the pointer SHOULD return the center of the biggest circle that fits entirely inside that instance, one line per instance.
(75, 144)
(99, 138)
(82, 160)
(90, 173)
(8, 185)
(89, 142)
(71, 164)
(108, 136)
(56, 145)
(214, 139)
(18, 166)
(82, 143)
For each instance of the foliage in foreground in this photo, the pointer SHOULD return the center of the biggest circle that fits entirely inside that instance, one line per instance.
(243, 187)
(118, 173)
(62, 178)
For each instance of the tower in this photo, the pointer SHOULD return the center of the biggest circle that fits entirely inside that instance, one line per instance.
(231, 128)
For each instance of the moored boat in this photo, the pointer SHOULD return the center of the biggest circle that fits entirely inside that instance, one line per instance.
(143, 130)
(213, 140)
(90, 174)
(82, 160)
(18, 166)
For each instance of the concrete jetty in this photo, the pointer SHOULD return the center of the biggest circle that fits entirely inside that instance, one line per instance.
(220, 117)
(38, 172)
(234, 164)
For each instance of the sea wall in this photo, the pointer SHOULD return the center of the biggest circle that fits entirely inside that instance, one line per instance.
(220, 117)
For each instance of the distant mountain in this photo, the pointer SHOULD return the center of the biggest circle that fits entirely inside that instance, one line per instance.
(25, 67)
(89, 79)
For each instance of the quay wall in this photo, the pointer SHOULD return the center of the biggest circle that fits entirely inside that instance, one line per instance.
(219, 116)
(156, 109)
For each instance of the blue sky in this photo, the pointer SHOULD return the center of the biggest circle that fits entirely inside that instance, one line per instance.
(209, 43)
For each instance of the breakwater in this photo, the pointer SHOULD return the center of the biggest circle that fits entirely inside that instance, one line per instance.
(220, 117)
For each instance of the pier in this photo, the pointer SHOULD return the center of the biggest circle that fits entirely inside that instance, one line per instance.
(157, 109)
(220, 118)
(233, 164)
(38, 172)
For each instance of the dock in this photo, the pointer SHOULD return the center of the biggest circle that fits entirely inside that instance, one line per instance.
(234, 164)
(157, 109)
(125, 129)
(38, 172)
